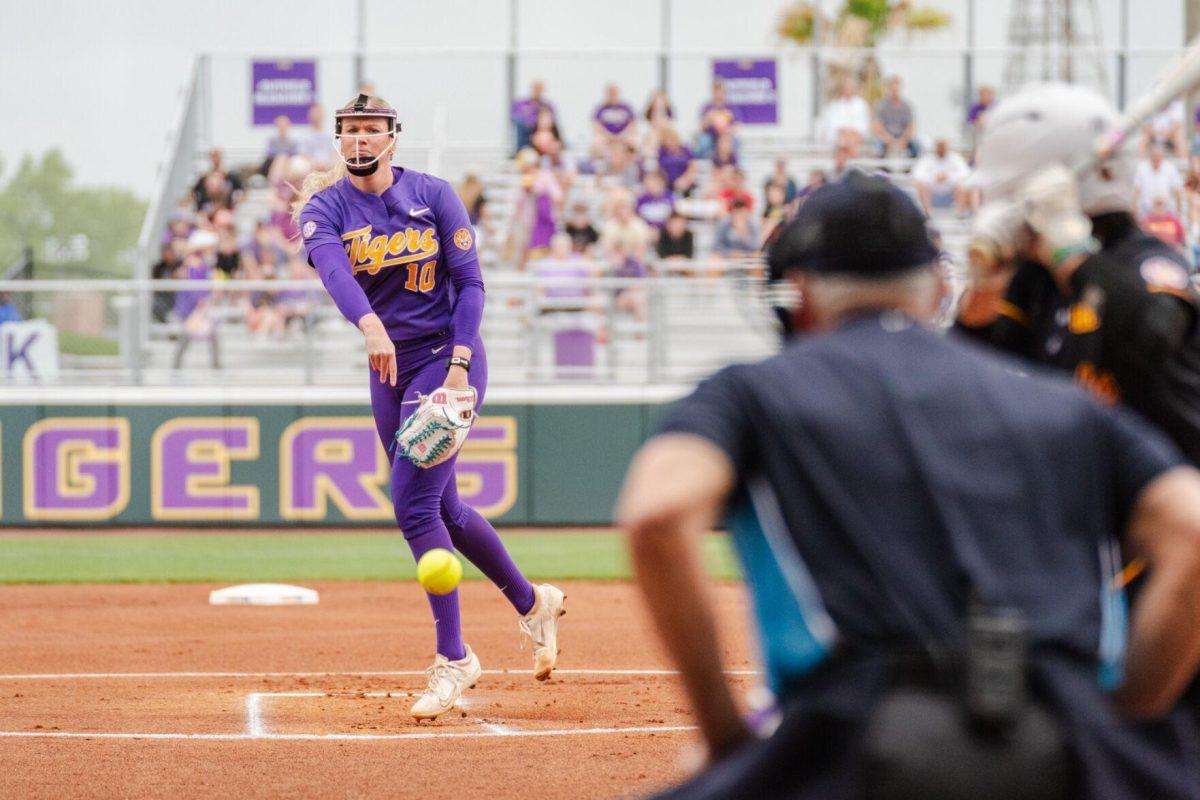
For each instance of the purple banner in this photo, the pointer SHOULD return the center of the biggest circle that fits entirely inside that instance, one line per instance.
(750, 89)
(282, 88)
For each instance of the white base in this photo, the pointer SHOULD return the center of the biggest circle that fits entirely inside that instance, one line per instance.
(263, 594)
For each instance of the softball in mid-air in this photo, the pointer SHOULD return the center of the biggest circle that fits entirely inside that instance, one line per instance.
(439, 571)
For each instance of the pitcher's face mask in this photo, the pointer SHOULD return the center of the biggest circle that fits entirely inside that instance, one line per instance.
(364, 135)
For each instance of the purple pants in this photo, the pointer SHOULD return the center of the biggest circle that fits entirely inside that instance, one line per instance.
(424, 499)
(428, 509)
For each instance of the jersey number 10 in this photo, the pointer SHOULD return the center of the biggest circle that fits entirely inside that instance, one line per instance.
(425, 282)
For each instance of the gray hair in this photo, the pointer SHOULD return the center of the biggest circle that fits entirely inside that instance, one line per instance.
(834, 295)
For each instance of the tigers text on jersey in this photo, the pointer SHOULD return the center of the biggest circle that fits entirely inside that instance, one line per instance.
(409, 247)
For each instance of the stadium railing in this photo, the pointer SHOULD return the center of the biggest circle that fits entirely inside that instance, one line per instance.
(538, 329)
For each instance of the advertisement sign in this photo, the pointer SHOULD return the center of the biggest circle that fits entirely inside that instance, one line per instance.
(284, 88)
(28, 350)
(750, 89)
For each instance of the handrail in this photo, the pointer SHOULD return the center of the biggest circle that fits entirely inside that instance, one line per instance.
(503, 281)
(23, 263)
(152, 225)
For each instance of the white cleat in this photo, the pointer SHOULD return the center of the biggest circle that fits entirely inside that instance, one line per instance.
(541, 625)
(447, 681)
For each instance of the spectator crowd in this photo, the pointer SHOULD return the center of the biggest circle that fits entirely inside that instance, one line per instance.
(632, 197)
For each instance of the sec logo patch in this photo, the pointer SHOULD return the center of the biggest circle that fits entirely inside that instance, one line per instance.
(462, 239)
(310, 228)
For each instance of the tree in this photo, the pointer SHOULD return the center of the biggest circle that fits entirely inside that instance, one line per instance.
(859, 24)
(40, 208)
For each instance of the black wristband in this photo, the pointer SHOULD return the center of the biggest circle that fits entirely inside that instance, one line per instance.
(458, 361)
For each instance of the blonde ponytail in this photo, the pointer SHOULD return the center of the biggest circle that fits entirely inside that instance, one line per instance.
(315, 182)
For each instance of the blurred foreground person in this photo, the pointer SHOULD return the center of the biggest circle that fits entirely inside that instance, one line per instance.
(932, 543)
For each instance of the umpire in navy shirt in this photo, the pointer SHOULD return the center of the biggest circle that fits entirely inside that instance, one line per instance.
(933, 545)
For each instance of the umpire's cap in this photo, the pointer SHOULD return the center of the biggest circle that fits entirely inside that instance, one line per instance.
(861, 225)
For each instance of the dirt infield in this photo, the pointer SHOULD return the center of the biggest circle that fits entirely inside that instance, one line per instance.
(147, 691)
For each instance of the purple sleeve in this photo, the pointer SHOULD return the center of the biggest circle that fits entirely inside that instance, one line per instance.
(458, 254)
(323, 245)
(334, 268)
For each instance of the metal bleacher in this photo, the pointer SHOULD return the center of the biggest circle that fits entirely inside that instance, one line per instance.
(702, 314)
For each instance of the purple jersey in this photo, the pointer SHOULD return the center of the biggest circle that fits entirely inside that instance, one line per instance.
(526, 111)
(655, 208)
(730, 114)
(674, 163)
(615, 117)
(411, 249)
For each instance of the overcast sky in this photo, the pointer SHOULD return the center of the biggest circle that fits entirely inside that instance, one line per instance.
(102, 80)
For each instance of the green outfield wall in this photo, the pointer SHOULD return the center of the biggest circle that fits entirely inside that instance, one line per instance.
(246, 464)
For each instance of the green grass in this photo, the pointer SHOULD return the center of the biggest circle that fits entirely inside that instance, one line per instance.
(81, 344)
(242, 558)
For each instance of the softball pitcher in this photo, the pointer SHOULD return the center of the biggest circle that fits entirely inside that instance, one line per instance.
(396, 251)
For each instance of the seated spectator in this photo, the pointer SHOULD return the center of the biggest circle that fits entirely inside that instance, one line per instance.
(939, 176)
(776, 210)
(676, 163)
(1166, 129)
(217, 186)
(263, 317)
(626, 263)
(978, 112)
(729, 187)
(1164, 223)
(8, 309)
(737, 234)
(295, 305)
(282, 144)
(847, 118)
(317, 145)
(228, 257)
(546, 139)
(724, 154)
(1191, 196)
(717, 117)
(780, 177)
(816, 179)
(264, 251)
(841, 163)
(525, 115)
(613, 120)
(485, 228)
(192, 305)
(659, 115)
(180, 225)
(564, 262)
(290, 175)
(676, 240)
(624, 234)
(579, 227)
(169, 262)
(893, 123)
(470, 191)
(1156, 176)
(621, 167)
(535, 212)
(655, 203)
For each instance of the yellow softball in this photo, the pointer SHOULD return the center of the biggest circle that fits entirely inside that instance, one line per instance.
(439, 571)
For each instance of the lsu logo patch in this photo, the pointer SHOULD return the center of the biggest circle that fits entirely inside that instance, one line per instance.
(310, 228)
(463, 239)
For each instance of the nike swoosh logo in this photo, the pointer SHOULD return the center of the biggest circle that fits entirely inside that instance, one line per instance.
(437, 350)
(413, 212)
